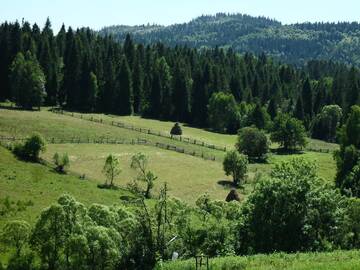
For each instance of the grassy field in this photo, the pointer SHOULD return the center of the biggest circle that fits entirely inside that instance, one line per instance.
(187, 176)
(339, 260)
(36, 186)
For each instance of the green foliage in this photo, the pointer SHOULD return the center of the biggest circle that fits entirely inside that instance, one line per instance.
(22, 262)
(288, 132)
(15, 234)
(111, 170)
(139, 162)
(326, 123)
(259, 117)
(176, 130)
(62, 162)
(27, 81)
(223, 113)
(253, 143)
(294, 43)
(235, 164)
(31, 148)
(347, 158)
(304, 210)
(49, 237)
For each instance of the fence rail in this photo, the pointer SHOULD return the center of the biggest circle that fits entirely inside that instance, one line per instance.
(144, 130)
(5, 140)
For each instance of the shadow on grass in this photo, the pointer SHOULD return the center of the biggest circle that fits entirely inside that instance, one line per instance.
(283, 151)
(230, 184)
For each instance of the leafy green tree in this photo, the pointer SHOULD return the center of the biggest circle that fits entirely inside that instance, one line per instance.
(139, 162)
(294, 209)
(31, 148)
(48, 237)
(103, 251)
(15, 234)
(27, 81)
(111, 170)
(223, 111)
(326, 123)
(235, 164)
(252, 142)
(289, 132)
(62, 163)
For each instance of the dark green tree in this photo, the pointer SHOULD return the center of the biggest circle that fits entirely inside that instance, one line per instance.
(253, 143)
(289, 132)
(27, 81)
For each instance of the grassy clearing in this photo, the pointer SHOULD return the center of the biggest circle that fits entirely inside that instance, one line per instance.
(339, 260)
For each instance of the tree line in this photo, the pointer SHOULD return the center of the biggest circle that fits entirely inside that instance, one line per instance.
(211, 88)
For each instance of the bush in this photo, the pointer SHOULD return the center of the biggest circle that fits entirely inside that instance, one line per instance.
(294, 209)
(31, 149)
(253, 143)
(176, 130)
(61, 162)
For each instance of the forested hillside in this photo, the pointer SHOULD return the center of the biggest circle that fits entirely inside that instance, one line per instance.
(296, 43)
(80, 70)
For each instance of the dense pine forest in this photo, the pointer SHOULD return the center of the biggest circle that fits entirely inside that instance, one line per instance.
(294, 43)
(83, 71)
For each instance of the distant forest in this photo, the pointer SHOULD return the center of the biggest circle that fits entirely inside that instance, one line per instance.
(84, 71)
(295, 43)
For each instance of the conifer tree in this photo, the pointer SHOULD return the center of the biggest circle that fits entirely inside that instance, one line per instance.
(124, 98)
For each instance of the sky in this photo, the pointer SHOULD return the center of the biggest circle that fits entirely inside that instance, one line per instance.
(99, 13)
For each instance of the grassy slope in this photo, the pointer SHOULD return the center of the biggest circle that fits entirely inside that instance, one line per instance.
(340, 260)
(22, 123)
(28, 181)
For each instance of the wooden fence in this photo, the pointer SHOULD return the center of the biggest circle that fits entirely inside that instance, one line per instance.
(5, 140)
(144, 130)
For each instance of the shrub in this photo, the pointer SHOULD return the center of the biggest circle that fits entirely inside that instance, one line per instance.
(294, 209)
(235, 164)
(61, 162)
(253, 143)
(31, 149)
(176, 130)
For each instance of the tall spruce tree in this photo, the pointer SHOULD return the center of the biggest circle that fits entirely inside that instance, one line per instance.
(124, 98)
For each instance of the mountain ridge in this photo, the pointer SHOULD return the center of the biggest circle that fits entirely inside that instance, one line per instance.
(290, 43)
